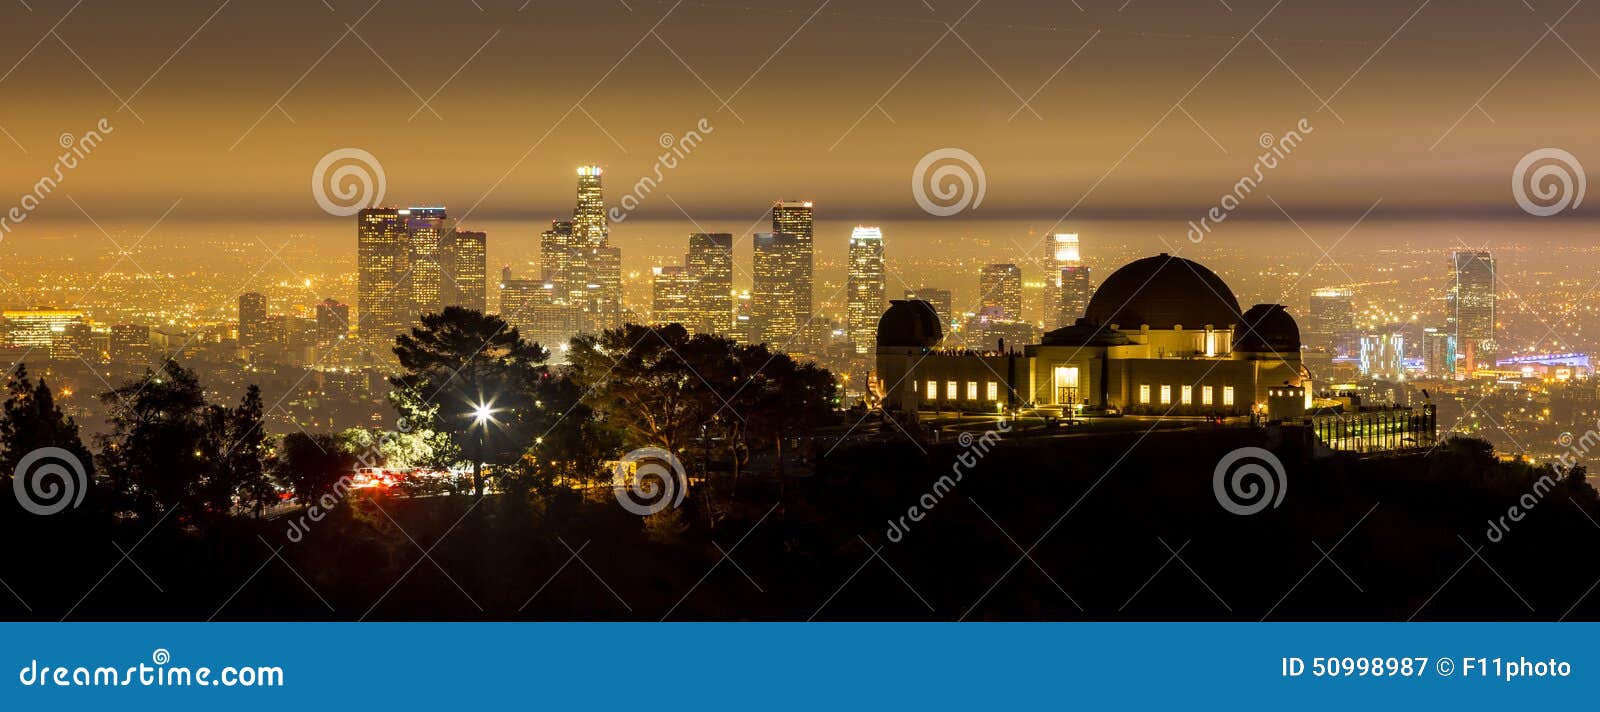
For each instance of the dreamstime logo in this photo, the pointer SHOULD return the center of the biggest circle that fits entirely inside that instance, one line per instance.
(954, 178)
(36, 483)
(1274, 150)
(1556, 184)
(1235, 486)
(673, 150)
(649, 480)
(74, 150)
(354, 178)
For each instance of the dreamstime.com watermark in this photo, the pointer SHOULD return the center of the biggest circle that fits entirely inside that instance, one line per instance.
(74, 150)
(1547, 181)
(1576, 448)
(1249, 480)
(49, 480)
(947, 181)
(160, 674)
(648, 480)
(974, 448)
(348, 180)
(1275, 149)
(676, 148)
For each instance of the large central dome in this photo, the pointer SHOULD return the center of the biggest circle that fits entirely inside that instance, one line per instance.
(1163, 292)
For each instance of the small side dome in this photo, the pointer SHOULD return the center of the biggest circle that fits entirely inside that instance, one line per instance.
(909, 323)
(1267, 328)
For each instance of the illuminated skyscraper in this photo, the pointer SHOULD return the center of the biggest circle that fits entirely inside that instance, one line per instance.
(589, 217)
(1000, 287)
(710, 266)
(1076, 288)
(426, 229)
(778, 301)
(535, 308)
(463, 270)
(555, 246)
(1332, 322)
(382, 261)
(864, 288)
(1470, 307)
(252, 321)
(579, 260)
(670, 291)
(333, 321)
(794, 218)
(1060, 251)
(1438, 352)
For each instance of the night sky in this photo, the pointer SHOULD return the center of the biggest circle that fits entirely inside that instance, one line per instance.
(1158, 112)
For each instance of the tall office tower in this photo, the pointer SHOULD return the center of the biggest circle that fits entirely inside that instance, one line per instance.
(333, 321)
(536, 309)
(864, 288)
(1383, 355)
(794, 217)
(589, 217)
(252, 320)
(710, 265)
(1000, 287)
(1060, 252)
(1470, 307)
(744, 330)
(1076, 288)
(606, 305)
(778, 305)
(383, 309)
(671, 295)
(130, 344)
(426, 229)
(463, 270)
(555, 248)
(939, 298)
(1438, 352)
(74, 341)
(1331, 325)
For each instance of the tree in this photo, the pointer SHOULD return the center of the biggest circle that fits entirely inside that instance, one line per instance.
(30, 419)
(471, 377)
(164, 446)
(245, 461)
(643, 383)
(311, 466)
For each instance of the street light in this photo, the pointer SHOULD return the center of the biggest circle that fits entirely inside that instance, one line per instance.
(481, 413)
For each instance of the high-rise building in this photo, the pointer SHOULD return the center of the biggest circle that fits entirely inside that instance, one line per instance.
(795, 218)
(710, 266)
(333, 321)
(538, 312)
(1000, 288)
(671, 294)
(1331, 322)
(864, 288)
(1470, 307)
(578, 259)
(744, 319)
(383, 308)
(1383, 355)
(130, 344)
(779, 303)
(1076, 288)
(36, 328)
(1060, 252)
(464, 270)
(74, 341)
(426, 231)
(252, 320)
(939, 298)
(1438, 352)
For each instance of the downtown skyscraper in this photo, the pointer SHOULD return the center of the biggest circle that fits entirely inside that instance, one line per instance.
(578, 258)
(864, 288)
(1470, 307)
(1000, 292)
(778, 308)
(710, 267)
(383, 308)
(1067, 286)
(464, 270)
(794, 217)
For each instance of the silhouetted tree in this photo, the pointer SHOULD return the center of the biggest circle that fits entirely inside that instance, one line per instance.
(311, 465)
(164, 442)
(30, 419)
(471, 376)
